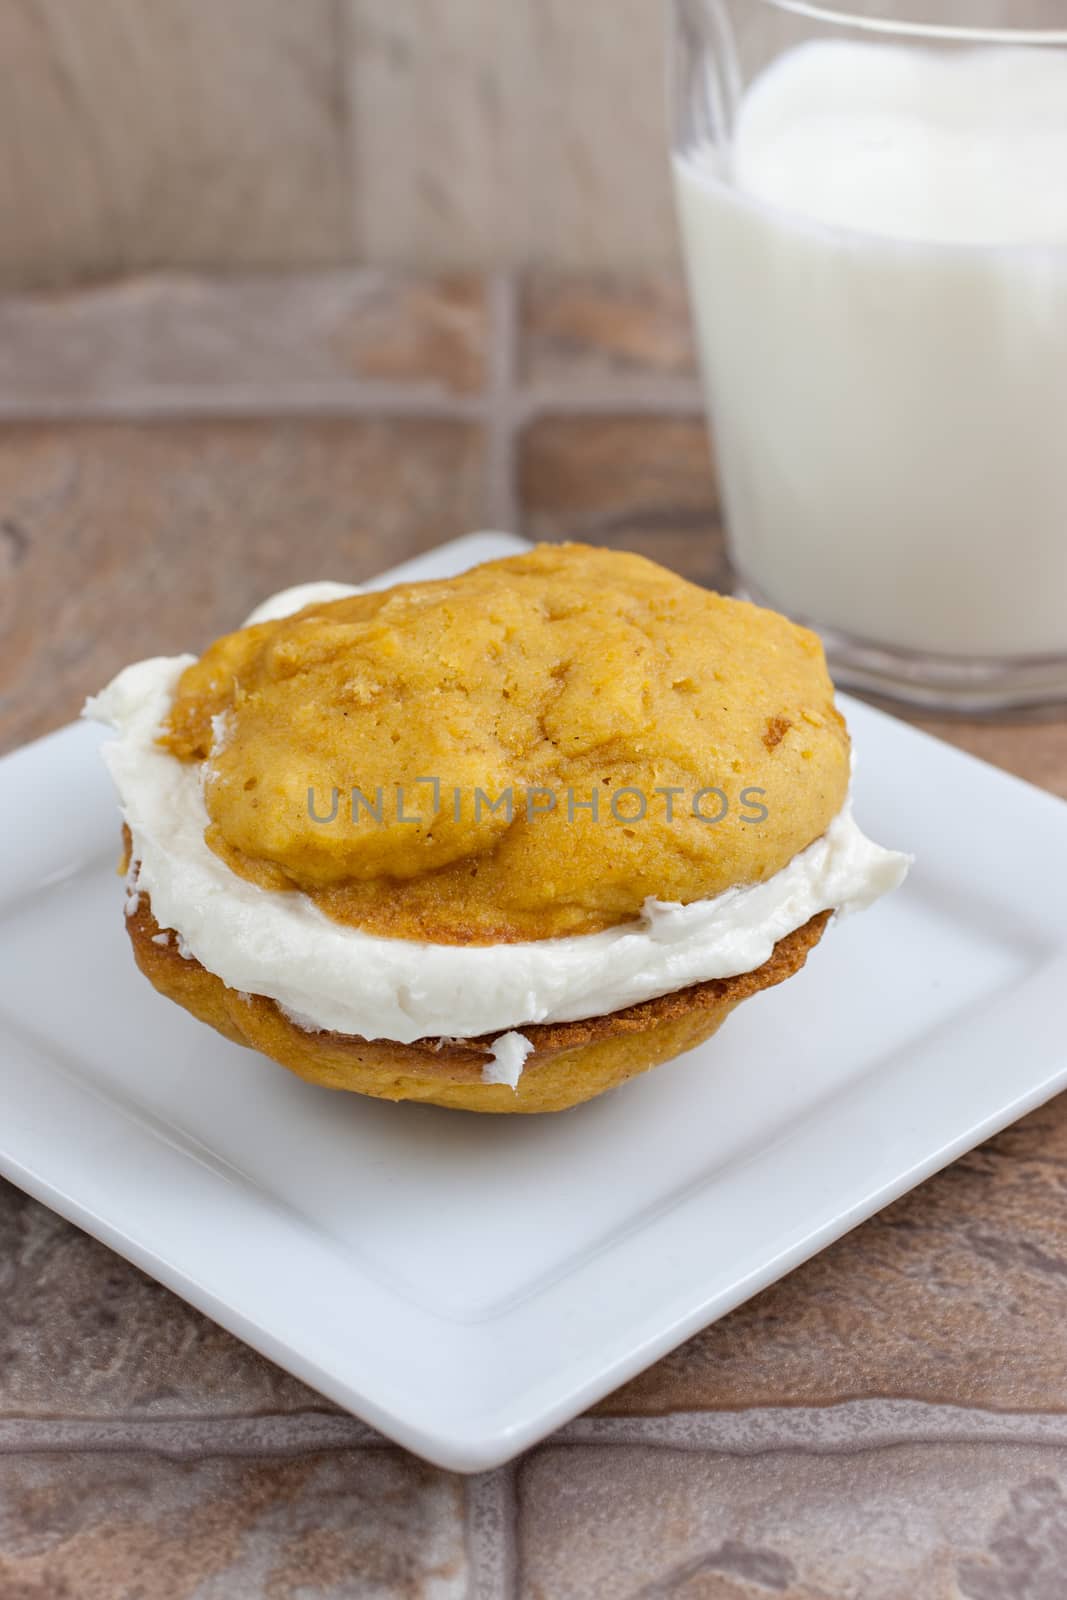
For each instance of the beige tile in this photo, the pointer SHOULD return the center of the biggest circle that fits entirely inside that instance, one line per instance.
(261, 133)
(84, 1334)
(441, 156)
(638, 483)
(529, 132)
(179, 133)
(602, 180)
(927, 1522)
(597, 329)
(124, 540)
(954, 1294)
(354, 1525)
(267, 338)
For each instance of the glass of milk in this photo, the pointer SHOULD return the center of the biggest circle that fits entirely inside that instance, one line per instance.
(873, 205)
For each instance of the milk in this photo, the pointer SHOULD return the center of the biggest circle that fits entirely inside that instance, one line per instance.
(879, 276)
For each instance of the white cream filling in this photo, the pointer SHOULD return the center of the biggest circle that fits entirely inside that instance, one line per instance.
(507, 1059)
(336, 978)
(286, 601)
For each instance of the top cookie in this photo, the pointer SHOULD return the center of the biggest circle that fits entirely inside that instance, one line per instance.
(536, 747)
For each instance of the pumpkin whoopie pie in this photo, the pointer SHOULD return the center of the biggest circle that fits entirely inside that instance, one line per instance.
(499, 841)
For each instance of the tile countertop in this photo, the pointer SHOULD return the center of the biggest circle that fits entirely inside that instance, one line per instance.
(889, 1423)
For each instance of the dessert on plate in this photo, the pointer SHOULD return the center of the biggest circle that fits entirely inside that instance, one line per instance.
(499, 841)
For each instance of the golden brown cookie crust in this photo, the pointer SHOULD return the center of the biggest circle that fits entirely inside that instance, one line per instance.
(571, 1062)
(566, 670)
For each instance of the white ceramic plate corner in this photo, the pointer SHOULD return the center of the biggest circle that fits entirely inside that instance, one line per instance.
(466, 1284)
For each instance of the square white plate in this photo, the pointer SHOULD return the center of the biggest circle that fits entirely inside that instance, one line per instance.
(468, 1283)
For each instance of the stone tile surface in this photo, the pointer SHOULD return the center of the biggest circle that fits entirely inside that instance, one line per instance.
(124, 540)
(600, 329)
(598, 91)
(144, 339)
(350, 1525)
(489, 134)
(85, 1334)
(179, 133)
(639, 483)
(926, 1522)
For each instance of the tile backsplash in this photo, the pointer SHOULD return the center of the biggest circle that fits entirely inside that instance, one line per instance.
(263, 133)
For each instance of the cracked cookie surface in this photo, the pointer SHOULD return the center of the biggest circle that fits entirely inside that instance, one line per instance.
(554, 676)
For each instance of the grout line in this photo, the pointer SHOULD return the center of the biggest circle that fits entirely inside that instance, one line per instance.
(850, 1425)
(491, 1534)
(501, 416)
(505, 408)
(342, 398)
(660, 397)
(184, 1437)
